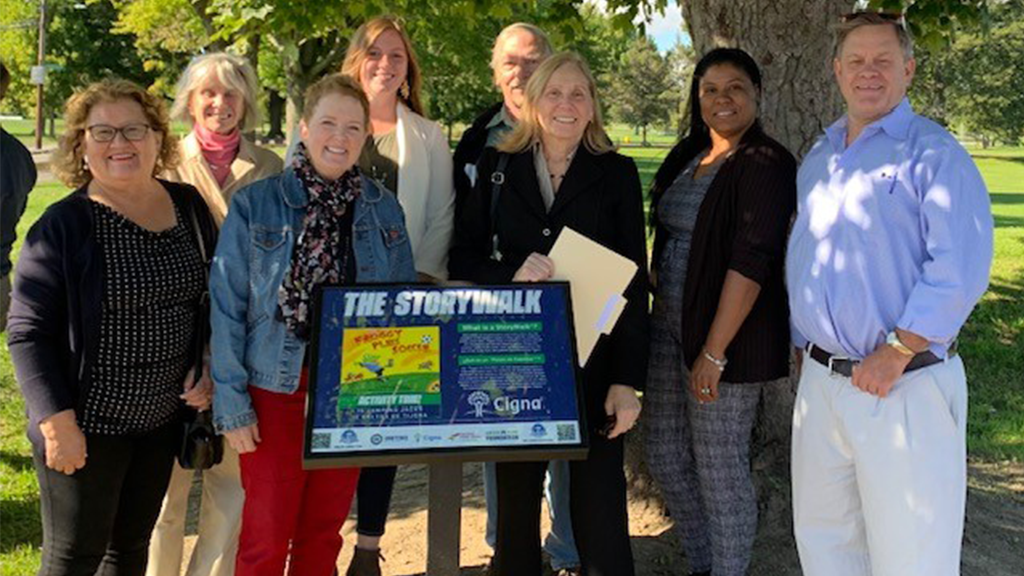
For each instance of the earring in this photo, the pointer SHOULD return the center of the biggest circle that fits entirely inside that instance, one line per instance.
(404, 90)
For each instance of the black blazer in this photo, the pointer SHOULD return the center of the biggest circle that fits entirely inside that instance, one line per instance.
(742, 225)
(58, 299)
(599, 198)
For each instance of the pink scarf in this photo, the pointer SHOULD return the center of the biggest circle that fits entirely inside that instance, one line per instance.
(219, 151)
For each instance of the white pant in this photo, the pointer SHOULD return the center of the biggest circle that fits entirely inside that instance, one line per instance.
(879, 484)
(220, 519)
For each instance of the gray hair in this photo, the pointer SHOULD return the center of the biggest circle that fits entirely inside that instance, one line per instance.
(538, 35)
(232, 71)
(851, 22)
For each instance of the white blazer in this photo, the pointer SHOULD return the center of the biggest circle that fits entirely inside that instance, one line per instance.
(427, 194)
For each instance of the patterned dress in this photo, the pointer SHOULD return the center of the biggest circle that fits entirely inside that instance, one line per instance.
(697, 453)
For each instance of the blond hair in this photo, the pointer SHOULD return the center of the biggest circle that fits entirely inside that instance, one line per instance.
(851, 22)
(232, 71)
(335, 84)
(528, 130)
(359, 48)
(69, 158)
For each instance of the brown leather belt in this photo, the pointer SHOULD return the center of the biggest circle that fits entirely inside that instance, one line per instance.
(844, 366)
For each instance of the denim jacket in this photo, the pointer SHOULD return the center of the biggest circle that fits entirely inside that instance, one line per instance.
(250, 346)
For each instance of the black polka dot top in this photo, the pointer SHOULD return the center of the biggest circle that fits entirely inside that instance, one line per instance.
(152, 282)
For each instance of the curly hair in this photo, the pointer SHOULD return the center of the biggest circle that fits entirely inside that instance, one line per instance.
(69, 158)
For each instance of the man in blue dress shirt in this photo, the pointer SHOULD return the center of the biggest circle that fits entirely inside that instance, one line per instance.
(889, 253)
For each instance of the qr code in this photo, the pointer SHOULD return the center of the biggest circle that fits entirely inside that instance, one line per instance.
(566, 432)
(321, 440)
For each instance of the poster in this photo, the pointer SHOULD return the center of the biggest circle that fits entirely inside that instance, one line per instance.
(409, 373)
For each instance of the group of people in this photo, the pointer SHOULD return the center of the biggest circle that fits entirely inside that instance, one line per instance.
(887, 254)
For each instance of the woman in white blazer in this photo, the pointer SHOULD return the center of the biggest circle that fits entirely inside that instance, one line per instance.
(410, 156)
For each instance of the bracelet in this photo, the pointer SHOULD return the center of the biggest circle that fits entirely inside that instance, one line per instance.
(720, 364)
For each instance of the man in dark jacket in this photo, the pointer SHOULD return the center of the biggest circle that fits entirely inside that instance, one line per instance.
(17, 177)
(518, 50)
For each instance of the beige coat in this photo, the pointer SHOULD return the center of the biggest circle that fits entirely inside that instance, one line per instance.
(252, 163)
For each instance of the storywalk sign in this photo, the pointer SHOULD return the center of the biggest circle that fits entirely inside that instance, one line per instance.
(410, 373)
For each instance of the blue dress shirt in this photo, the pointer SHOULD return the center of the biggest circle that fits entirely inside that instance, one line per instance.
(894, 231)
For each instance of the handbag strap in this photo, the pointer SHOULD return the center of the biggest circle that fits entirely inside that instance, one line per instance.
(497, 180)
(202, 319)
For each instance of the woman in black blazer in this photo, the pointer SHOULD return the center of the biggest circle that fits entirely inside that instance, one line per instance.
(562, 171)
(721, 206)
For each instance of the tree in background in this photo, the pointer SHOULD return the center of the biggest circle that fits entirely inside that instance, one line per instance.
(19, 23)
(82, 46)
(985, 91)
(645, 89)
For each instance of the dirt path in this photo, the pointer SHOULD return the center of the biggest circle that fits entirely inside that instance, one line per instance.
(993, 540)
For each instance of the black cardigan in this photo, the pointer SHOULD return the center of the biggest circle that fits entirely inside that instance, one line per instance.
(57, 302)
(742, 225)
(599, 198)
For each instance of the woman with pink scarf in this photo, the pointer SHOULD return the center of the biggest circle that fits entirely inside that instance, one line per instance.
(217, 93)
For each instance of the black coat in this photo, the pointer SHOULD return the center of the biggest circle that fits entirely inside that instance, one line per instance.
(57, 302)
(599, 198)
(468, 152)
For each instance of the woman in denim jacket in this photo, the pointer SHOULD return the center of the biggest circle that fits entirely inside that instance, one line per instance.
(320, 221)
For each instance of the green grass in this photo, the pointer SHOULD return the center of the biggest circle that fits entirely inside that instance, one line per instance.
(992, 343)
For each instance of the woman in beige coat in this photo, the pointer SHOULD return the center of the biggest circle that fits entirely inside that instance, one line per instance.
(217, 93)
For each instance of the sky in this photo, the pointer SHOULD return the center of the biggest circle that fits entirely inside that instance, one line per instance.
(664, 28)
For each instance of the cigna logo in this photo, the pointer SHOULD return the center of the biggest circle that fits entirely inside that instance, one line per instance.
(478, 400)
(506, 405)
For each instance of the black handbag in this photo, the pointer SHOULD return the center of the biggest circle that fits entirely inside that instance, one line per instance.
(201, 446)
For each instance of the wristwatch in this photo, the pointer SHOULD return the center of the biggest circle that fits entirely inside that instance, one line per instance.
(893, 339)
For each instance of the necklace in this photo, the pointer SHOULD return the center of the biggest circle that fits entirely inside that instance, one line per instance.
(566, 161)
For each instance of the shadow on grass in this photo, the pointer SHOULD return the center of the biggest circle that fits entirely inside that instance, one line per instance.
(20, 523)
(1017, 159)
(20, 463)
(1006, 198)
(992, 344)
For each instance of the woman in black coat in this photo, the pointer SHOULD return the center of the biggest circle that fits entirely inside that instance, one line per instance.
(562, 171)
(721, 205)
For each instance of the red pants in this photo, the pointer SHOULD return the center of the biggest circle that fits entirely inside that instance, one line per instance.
(288, 510)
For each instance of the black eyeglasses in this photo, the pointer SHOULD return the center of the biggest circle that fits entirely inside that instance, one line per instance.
(894, 17)
(131, 132)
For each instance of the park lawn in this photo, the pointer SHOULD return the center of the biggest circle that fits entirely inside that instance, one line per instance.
(992, 343)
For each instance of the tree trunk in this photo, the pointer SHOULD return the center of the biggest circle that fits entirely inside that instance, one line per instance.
(275, 115)
(791, 40)
(644, 140)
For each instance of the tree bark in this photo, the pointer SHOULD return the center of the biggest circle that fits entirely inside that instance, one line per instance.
(791, 40)
(275, 113)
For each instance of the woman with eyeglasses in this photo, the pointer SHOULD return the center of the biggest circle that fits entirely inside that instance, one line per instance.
(107, 298)
(721, 205)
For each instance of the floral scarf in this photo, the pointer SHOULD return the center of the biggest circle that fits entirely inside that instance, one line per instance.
(319, 256)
